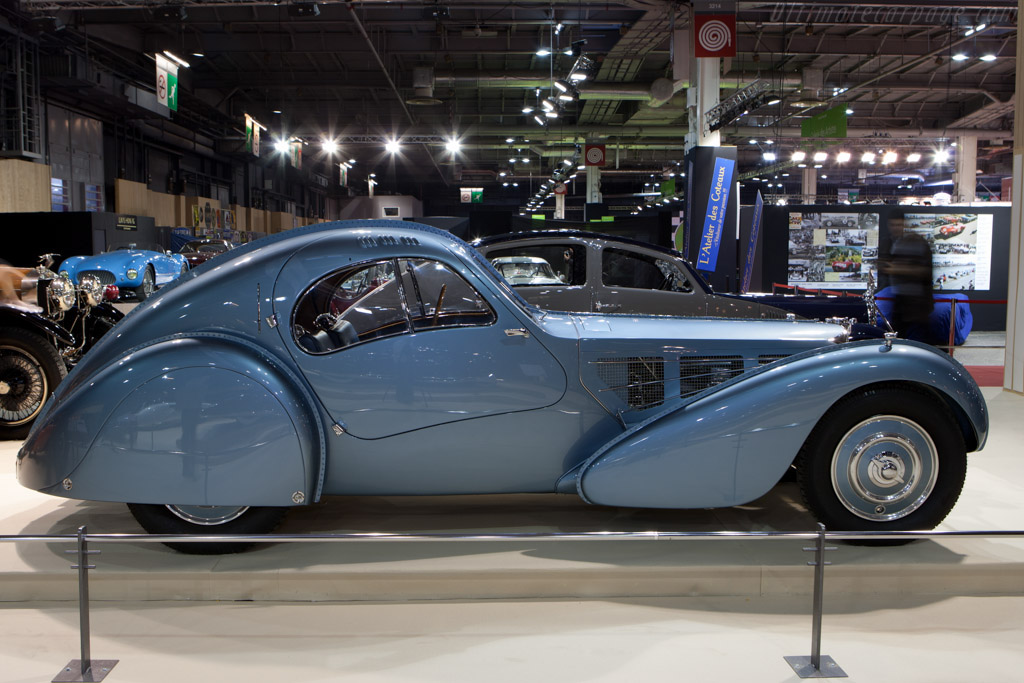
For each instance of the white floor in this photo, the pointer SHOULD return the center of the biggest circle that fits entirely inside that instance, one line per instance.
(949, 610)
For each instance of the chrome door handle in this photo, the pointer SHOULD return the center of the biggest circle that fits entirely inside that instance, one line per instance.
(607, 307)
(520, 332)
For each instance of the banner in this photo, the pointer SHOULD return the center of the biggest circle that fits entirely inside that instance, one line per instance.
(295, 153)
(829, 124)
(167, 82)
(755, 227)
(714, 28)
(714, 218)
(252, 135)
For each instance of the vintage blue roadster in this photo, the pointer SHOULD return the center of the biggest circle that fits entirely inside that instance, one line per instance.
(382, 357)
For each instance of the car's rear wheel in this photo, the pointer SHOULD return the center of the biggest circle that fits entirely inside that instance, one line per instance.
(30, 369)
(884, 459)
(208, 519)
(148, 286)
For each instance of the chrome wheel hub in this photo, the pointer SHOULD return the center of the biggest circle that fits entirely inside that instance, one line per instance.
(207, 515)
(885, 468)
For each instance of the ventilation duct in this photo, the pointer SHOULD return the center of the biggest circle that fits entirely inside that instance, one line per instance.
(423, 87)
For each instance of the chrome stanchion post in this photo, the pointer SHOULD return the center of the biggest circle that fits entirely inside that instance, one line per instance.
(811, 667)
(86, 669)
(952, 324)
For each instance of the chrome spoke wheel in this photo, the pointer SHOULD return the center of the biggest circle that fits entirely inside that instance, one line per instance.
(207, 515)
(884, 468)
(23, 386)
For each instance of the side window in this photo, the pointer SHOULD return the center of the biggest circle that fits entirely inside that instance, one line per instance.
(349, 306)
(541, 264)
(621, 268)
(439, 297)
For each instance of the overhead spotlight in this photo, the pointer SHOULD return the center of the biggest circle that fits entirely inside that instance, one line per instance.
(540, 121)
(281, 146)
(576, 49)
(547, 104)
(176, 59)
(525, 160)
(960, 57)
(543, 52)
(843, 157)
(769, 156)
(889, 158)
(392, 147)
(304, 9)
(510, 140)
(987, 58)
(562, 86)
(820, 156)
(868, 157)
(329, 147)
(553, 114)
(941, 156)
(453, 146)
(581, 69)
(527, 110)
(849, 112)
(568, 96)
(170, 13)
(774, 100)
(799, 155)
(558, 28)
(913, 157)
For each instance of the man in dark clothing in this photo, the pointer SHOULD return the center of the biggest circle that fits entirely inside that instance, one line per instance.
(909, 267)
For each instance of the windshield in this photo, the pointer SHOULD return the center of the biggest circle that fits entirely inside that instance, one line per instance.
(199, 246)
(135, 246)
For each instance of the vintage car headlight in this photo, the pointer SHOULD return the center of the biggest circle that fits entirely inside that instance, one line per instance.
(64, 273)
(92, 289)
(62, 293)
(132, 273)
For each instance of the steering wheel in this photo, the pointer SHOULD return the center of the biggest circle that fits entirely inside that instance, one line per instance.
(325, 321)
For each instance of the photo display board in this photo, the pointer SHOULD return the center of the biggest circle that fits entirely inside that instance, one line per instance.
(961, 246)
(832, 250)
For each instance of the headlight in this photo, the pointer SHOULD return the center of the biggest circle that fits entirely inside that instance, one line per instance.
(62, 293)
(132, 273)
(92, 289)
(64, 273)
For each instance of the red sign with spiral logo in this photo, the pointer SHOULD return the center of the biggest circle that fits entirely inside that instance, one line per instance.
(714, 35)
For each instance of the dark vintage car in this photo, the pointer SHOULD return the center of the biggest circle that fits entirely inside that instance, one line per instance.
(201, 251)
(604, 274)
(389, 358)
(46, 324)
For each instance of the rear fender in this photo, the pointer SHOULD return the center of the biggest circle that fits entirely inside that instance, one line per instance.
(206, 419)
(732, 443)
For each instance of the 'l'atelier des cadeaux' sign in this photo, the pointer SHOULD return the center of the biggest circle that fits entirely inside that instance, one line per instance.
(714, 219)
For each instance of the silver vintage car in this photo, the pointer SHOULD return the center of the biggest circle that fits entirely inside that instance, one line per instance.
(384, 357)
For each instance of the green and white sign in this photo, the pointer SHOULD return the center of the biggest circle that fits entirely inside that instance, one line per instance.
(830, 124)
(167, 82)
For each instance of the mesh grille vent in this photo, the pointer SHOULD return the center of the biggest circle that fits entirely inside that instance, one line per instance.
(697, 373)
(105, 276)
(639, 382)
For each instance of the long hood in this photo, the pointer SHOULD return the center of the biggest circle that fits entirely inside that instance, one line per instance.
(110, 261)
(801, 334)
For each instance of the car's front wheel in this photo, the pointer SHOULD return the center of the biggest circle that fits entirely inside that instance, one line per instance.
(30, 369)
(148, 286)
(208, 519)
(884, 459)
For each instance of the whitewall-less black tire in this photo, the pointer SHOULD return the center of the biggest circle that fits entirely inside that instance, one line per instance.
(207, 519)
(888, 458)
(30, 369)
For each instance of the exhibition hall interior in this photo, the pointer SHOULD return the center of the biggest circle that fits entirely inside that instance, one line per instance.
(359, 340)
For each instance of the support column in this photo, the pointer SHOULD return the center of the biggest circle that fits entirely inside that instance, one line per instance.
(965, 169)
(1013, 375)
(700, 97)
(593, 185)
(809, 184)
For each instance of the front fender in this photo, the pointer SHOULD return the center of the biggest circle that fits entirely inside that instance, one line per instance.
(201, 420)
(70, 266)
(732, 443)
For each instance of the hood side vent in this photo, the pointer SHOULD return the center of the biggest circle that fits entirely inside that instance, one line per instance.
(639, 382)
(698, 373)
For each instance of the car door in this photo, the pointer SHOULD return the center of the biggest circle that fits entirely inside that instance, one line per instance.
(636, 280)
(392, 345)
(568, 260)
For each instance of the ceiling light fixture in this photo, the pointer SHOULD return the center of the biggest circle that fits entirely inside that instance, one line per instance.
(913, 157)
(820, 156)
(987, 58)
(799, 155)
(959, 57)
(889, 158)
(392, 147)
(843, 157)
(181, 62)
(868, 157)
